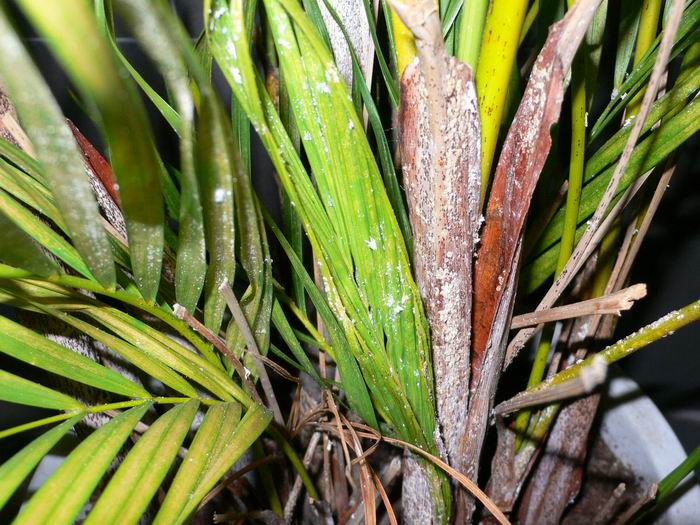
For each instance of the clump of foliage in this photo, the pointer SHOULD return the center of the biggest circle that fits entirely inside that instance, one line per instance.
(146, 298)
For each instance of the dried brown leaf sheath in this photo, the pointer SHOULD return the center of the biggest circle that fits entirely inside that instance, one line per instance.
(523, 156)
(440, 147)
(522, 159)
(97, 163)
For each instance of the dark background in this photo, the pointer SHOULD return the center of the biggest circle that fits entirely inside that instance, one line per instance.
(668, 370)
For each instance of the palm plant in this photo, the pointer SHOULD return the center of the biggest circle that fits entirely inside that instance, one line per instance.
(146, 295)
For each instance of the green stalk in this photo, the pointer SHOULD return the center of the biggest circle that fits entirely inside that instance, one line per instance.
(530, 18)
(648, 24)
(576, 162)
(499, 47)
(471, 28)
(539, 365)
(659, 329)
(100, 408)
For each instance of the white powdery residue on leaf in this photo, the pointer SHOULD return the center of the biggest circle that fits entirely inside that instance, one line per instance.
(231, 48)
(236, 74)
(371, 244)
(323, 87)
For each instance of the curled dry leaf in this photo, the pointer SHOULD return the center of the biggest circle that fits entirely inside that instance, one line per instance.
(440, 149)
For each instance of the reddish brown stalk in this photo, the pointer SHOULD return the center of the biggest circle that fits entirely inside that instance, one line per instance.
(521, 161)
(182, 313)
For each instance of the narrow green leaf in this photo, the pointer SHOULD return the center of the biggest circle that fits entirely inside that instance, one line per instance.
(221, 439)
(20, 158)
(471, 28)
(56, 149)
(346, 174)
(285, 330)
(648, 153)
(678, 474)
(390, 81)
(15, 470)
(630, 13)
(141, 473)
(353, 383)
(158, 32)
(688, 33)
(20, 250)
(254, 252)
(61, 497)
(384, 151)
(15, 389)
(41, 233)
(30, 192)
(139, 357)
(594, 49)
(170, 353)
(30, 347)
(169, 114)
(216, 171)
(131, 297)
(74, 35)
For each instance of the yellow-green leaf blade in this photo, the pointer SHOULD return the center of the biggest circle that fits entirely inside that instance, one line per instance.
(162, 38)
(15, 389)
(41, 233)
(143, 470)
(74, 35)
(15, 470)
(216, 169)
(61, 497)
(30, 347)
(20, 250)
(220, 441)
(136, 356)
